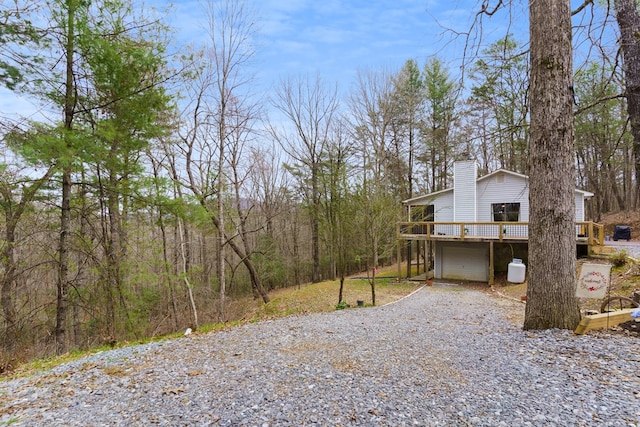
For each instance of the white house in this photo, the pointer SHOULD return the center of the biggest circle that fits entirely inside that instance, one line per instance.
(477, 218)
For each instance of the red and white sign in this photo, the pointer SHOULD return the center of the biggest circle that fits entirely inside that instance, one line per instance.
(593, 281)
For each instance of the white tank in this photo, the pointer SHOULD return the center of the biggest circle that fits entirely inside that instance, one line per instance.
(516, 272)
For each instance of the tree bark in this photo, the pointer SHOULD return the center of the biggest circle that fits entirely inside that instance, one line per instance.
(628, 19)
(60, 332)
(551, 300)
(315, 223)
(113, 245)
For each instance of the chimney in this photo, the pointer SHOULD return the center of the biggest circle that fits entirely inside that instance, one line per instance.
(465, 173)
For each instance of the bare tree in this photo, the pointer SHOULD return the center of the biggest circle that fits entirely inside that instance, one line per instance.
(213, 120)
(231, 28)
(603, 144)
(241, 124)
(628, 19)
(267, 183)
(371, 117)
(309, 107)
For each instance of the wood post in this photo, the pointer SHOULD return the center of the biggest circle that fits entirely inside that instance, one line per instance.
(491, 266)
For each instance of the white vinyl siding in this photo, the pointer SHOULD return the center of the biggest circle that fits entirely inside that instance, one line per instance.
(580, 230)
(579, 206)
(499, 187)
(464, 191)
(502, 188)
(443, 207)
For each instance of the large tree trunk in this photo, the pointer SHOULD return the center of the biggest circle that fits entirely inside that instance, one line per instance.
(60, 332)
(629, 22)
(113, 246)
(315, 223)
(551, 300)
(220, 186)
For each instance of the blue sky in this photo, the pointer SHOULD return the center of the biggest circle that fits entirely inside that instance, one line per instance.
(335, 38)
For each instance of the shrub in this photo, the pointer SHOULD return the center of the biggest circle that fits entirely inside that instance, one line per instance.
(342, 305)
(619, 258)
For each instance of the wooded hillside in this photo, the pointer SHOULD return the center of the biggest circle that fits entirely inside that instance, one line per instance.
(167, 188)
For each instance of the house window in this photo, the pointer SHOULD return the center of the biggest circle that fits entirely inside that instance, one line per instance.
(422, 213)
(506, 212)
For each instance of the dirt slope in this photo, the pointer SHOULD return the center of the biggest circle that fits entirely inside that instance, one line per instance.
(631, 218)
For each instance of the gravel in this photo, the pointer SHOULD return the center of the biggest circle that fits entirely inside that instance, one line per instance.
(631, 248)
(444, 356)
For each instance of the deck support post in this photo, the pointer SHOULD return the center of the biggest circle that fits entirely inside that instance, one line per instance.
(399, 259)
(491, 270)
(409, 247)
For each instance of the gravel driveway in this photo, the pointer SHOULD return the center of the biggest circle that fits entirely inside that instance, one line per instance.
(631, 248)
(444, 356)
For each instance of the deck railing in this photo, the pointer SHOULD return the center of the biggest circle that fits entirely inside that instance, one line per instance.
(587, 232)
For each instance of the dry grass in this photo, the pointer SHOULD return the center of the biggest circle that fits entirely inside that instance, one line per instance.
(323, 297)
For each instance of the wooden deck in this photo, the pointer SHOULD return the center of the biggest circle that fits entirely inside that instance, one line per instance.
(587, 232)
(589, 236)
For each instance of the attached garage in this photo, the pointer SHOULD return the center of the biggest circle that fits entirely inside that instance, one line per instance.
(462, 261)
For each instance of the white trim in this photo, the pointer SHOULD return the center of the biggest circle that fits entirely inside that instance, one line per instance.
(586, 194)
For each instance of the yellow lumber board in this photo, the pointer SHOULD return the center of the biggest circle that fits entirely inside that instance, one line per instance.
(603, 320)
(602, 249)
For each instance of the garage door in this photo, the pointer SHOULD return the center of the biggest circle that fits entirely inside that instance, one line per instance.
(467, 261)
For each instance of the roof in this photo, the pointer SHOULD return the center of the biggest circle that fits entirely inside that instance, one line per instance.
(586, 194)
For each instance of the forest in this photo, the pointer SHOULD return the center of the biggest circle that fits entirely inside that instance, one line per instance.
(162, 189)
